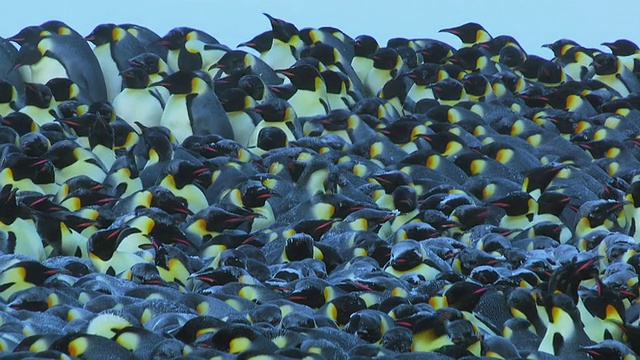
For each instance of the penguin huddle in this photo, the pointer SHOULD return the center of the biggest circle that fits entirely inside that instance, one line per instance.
(320, 196)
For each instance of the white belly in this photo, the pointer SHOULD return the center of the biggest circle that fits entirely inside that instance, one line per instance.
(28, 241)
(614, 82)
(242, 125)
(279, 56)
(112, 78)
(138, 105)
(40, 116)
(375, 80)
(419, 92)
(176, 118)
(361, 65)
(46, 69)
(307, 104)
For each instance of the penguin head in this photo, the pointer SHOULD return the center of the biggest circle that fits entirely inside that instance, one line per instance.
(406, 255)
(186, 82)
(32, 272)
(29, 34)
(622, 47)
(299, 247)
(38, 95)
(105, 33)
(59, 27)
(304, 76)
(232, 62)
(470, 59)
(326, 54)
(560, 46)
(254, 194)
(405, 199)
(550, 73)
(282, 30)
(386, 59)
(476, 84)
(260, 43)
(516, 203)
(254, 86)
(277, 110)
(427, 73)
(135, 78)
(448, 89)
(511, 56)
(365, 46)
(23, 167)
(270, 138)
(63, 89)
(469, 33)
(174, 39)
(150, 62)
(605, 64)
(235, 99)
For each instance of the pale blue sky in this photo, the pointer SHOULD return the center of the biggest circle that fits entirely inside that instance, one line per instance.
(533, 23)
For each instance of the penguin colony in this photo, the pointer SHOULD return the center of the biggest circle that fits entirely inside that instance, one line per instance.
(329, 197)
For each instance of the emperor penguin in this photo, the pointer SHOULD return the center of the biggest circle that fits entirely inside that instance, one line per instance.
(40, 104)
(66, 56)
(285, 46)
(114, 47)
(612, 72)
(193, 107)
(178, 57)
(136, 101)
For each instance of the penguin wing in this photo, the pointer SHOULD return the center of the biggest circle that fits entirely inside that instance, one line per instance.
(8, 55)
(629, 80)
(82, 66)
(125, 49)
(207, 115)
(156, 94)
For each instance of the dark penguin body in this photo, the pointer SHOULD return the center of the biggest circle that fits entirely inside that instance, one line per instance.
(193, 107)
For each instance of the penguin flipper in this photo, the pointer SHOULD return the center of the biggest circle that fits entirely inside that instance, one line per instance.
(156, 94)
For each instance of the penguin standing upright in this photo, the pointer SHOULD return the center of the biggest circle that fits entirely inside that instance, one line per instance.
(285, 45)
(114, 47)
(136, 102)
(193, 107)
(67, 56)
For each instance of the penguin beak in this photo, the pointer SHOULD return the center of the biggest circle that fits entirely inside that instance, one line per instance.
(14, 67)
(450, 31)
(90, 37)
(160, 83)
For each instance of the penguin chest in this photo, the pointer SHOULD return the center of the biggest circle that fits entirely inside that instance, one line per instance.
(80, 167)
(242, 125)
(26, 184)
(361, 65)
(109, 70)
(613, 81)
(194, 196)
(268, 218)
(375, 80)
(105, 154)
(279, 56)
(22, 238)
(419, 92)
(6, 109)
(39, 115)
(72, 243)
(46, 69)
(339, 101)
(176, 117)
(138, 105)
(309, 103)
